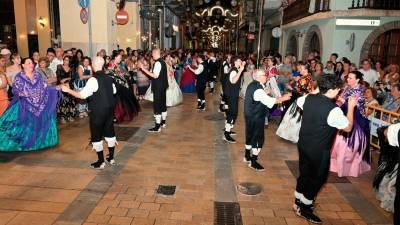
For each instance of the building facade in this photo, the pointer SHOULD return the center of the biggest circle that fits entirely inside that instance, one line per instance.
(354, 29)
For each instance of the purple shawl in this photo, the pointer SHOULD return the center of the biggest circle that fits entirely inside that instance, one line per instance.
(32, 94)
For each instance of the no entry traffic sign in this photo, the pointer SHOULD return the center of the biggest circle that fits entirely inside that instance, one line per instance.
(122, 17)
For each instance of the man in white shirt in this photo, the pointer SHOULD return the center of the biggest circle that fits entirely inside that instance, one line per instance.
(320, 122)
(223, 79)
(370, 75)
(232, 92)
(201, 80)
(99, 90)
(212, 65)
(159, 85)
(54, 62)
(256, 102)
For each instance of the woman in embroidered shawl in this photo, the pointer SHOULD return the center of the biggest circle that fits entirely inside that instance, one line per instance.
(29, 123)
(350, 153)
(127, 106)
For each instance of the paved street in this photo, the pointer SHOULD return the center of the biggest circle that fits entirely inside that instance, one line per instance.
(56, 186)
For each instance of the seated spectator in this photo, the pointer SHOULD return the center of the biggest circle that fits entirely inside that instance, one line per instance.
(333, 58)
(339, 69)
(353, 67)
(43, 69)
(370, 99)
(370, 75)
(378, 68)
(392, 76)
(319, 67)
(285, 73)
(392, 102)
(329, 69)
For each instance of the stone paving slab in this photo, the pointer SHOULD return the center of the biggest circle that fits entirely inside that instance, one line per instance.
(48, 187)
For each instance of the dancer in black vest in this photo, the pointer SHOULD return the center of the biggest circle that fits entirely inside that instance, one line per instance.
(393, 136)
(212, 66)
(255, 109)
(232, 89)
(226, 68)
(99, 91)
(321, 120)
(159, 86)
(201, 82)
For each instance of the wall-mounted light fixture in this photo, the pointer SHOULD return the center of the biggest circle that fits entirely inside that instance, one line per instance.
(42, 21)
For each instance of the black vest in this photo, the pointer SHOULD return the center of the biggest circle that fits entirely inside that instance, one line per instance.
(224, 76)
(233, 89)
(315, 133)
(103, 98)
(254, 109)
(202, 77)
(161, 82)
(212, 67)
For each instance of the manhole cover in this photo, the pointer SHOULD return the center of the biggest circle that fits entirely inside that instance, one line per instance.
(166, 189)
(248, 188)
(215, 117)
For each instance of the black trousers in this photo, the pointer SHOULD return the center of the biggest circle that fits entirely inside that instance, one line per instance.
(396, 217)
(160, 102)
(232, 112)
(254, 132)
(314, 170)
(212, 75)
(101, 124)
(223, 94)
(200, 88)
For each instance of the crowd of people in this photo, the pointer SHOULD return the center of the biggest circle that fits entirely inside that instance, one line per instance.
(39, 92)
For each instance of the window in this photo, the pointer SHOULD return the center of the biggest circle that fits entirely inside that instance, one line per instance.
(292, 46)
(386, 47)
(314, 42)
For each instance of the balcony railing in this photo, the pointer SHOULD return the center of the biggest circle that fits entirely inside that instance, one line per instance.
(376, 4)
(301, 8)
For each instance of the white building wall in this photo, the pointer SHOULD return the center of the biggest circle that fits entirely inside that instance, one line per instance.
(334, 37)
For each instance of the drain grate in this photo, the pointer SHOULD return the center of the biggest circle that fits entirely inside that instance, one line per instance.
(166, 189)
(227, 213)
(249, 188)
(124, 133)
(215, 117)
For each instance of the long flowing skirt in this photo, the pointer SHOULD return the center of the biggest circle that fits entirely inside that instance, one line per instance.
(289, 128)
(350, 153)
(126, 106)
(21, 130)
(188, 82)
(174, 93)
(386, 192)
(67, 107)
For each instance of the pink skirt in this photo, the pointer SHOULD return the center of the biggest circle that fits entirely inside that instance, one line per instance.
(346, 161)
